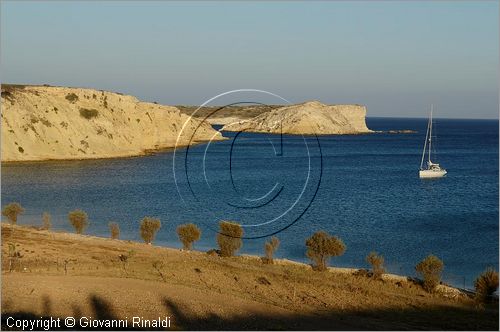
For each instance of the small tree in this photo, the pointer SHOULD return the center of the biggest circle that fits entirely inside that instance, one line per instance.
(430, 268)
(159, 266)
(188, 233)
(79, 220)
(66, 262)
(270, 247)
(377, 263)
(71, 97)
(12, 211)
(486, 285)
(46, 220)
(321, 246)
(149, 227)
(229, 238)
(14, 256)
(114, 228)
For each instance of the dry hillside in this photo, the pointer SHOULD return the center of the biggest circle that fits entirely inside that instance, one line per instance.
(42, 122)
(61, 274)
(222, 115)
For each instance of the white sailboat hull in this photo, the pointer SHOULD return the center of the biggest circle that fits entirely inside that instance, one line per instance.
(433, 170)
(430, 173)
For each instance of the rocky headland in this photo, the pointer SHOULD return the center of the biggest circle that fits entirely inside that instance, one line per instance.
(310, 118)
(46, 123)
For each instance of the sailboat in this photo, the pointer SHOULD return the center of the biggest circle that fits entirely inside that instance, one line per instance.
(433, 170)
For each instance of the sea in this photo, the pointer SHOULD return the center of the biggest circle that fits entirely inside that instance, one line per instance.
(364, 189)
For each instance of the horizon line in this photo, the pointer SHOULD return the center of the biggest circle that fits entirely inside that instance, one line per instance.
(195, 105)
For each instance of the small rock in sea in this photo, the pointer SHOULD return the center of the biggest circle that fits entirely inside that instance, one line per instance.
(402, 131)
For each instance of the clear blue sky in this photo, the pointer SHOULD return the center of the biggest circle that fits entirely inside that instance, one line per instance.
(394, 57)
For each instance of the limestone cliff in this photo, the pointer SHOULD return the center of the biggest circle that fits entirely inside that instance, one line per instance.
(308, 118)
(42, 123)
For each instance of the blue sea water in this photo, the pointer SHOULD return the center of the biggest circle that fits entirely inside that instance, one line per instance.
(363, 188)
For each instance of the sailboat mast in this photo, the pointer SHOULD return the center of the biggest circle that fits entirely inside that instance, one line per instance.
(430, 133)
(425, 146)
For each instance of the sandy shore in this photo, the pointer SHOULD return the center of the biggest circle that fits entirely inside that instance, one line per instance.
(63, 274)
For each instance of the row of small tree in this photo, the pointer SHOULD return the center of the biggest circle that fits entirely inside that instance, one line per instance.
(149, 226)
(320, 247)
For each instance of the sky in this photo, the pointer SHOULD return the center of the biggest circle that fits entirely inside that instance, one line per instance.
(395, 57)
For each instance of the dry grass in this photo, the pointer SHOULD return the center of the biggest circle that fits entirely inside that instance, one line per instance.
(486, 285)
(284, 295)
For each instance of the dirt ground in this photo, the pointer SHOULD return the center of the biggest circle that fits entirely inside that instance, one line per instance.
(62, 274)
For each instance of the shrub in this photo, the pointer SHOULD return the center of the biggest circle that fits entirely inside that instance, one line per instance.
(159, 266)
(46, 122)
(79, 220)
(188, 234)
(14, 255)
(270, 247)
(430, 268)
(125, 259)
(71, 97)
(7, 95)
(229, 238)
(12, 211)
(321, 246)
(149, 227)
(486, 285)
(47, 224)
(8, 91)
(377, 263)
(89, 113)
(114, 228)
(66, 262)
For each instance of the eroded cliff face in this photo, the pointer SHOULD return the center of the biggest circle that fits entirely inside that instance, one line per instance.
(308, 118)
(42, 123)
